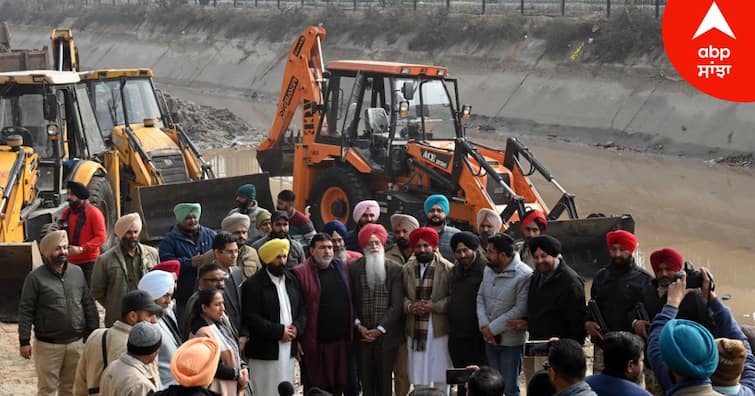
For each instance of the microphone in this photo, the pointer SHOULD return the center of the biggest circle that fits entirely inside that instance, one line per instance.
(285, 388)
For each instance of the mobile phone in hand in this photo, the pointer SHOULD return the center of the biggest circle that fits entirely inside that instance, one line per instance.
(536, 348)
(456, 376)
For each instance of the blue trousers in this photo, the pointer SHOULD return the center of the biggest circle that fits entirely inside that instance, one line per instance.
(508, 361)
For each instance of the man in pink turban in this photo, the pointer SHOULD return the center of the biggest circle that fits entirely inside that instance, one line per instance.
(378, 295)
(365, 212)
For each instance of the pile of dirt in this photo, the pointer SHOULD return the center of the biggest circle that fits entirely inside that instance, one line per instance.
(210, 127)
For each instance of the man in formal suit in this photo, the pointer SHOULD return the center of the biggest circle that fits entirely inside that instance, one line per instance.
(378, 296)
(226, 250)
(275, 316)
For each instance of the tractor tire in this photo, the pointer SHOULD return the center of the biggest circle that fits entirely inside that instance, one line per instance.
(101, 195)
(334, 194)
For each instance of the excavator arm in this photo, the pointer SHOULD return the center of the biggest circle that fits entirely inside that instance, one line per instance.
(303, 84)
(65, 54)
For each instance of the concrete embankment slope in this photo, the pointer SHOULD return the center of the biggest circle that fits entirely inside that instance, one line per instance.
(513, 81)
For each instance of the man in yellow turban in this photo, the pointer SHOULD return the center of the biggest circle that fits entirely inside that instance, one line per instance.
(110, 282)
(273, 302)
(186, 242)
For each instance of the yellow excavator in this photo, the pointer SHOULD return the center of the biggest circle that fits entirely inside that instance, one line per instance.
(125, 148)
(394, 132)
(49, 135)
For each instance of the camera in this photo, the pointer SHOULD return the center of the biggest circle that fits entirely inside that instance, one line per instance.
(694, 276)
(456, 376)
(536, 348)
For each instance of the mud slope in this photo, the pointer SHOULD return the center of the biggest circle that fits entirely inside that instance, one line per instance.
(507, 75)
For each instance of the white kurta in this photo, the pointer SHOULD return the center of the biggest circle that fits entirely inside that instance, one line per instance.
(268, 374)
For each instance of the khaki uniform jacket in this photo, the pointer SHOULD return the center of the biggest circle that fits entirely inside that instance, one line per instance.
(90, 367)
(440, 294)
(248, 260)
(110, 278)
(128, 376)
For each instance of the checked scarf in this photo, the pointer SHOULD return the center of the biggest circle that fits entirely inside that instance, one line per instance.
(374, 302)
(424, 289)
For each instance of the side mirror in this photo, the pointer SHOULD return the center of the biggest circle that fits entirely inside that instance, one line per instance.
(466, 111)
(50, 107)
(408, 90)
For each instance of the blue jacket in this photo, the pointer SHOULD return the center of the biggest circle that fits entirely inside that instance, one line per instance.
(726, 327)
(608, 385)
(177, 246)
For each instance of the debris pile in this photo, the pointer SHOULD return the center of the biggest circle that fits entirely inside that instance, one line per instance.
(210, 127)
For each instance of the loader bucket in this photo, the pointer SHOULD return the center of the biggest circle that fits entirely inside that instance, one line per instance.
(155, 204)
(18, 259)
(583, 241)
(277, 161)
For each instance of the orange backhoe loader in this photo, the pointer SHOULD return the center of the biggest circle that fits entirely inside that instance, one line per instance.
(394, 132)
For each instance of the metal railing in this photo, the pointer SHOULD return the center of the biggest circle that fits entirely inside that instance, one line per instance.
(485, 7)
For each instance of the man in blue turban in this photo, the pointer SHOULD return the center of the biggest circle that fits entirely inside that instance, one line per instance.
(437, 209)
(186, 242)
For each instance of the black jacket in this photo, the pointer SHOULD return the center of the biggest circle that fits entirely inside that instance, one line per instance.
(462, 303)
(178, 390)
(617, 291)
(557, 307)
(261, 314)
(693, 307)
(59, 306)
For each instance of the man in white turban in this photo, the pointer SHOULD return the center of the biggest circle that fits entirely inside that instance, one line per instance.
(488, 224)
(119, 269)
(160, 285)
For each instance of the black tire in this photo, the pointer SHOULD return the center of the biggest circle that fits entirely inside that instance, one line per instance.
(101, 195)
(323, 208)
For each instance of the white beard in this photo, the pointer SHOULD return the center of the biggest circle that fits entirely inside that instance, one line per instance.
(340, 255)
(375, 267)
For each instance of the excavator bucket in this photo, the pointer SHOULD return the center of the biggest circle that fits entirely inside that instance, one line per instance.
(18, 259)
(583, 241)
(155, 204)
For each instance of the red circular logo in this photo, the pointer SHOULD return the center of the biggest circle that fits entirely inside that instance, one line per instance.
(710, 43)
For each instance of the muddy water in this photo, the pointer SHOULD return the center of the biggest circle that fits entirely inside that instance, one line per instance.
(706, 212)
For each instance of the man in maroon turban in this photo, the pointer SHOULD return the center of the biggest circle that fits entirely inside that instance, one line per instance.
(427, 290)
(533, 224)
(616, 289)
(378, 298)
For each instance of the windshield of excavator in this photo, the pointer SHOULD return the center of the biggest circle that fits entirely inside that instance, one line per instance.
(141, 103)
(21, 106)
(429, 108)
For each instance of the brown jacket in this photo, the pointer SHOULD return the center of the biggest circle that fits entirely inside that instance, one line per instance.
(697, 390)
(394, 253)
(128, 376)
(110, 278)
(440, 294)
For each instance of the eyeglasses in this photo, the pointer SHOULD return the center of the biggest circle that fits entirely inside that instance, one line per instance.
(232, 252)
(214, 280)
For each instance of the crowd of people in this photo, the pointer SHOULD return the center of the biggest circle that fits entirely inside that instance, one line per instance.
(365, 310)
